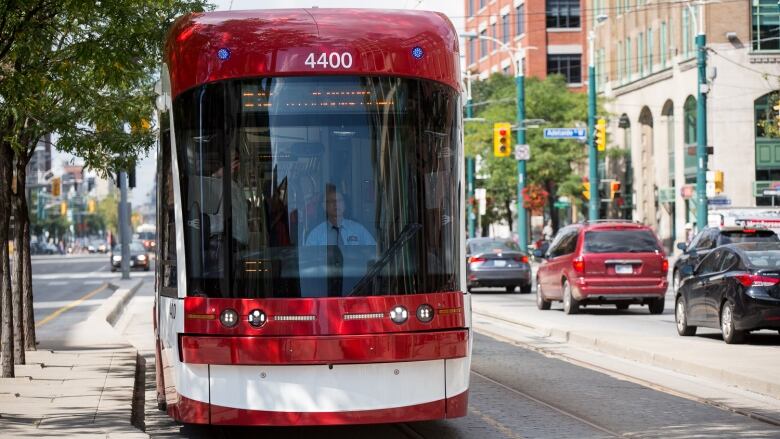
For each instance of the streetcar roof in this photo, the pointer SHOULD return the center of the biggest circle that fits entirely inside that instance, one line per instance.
(213, 46)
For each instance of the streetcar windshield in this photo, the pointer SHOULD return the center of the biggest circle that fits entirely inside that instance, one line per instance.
(319, 187)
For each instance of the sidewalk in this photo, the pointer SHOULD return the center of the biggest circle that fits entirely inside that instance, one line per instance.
(81, 388)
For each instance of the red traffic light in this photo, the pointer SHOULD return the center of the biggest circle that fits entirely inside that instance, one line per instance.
(502, 132)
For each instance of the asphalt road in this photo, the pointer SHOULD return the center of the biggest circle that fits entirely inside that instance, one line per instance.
(67, 289)
(518, 393)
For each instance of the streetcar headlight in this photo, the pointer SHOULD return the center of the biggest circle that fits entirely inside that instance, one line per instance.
(257, 318)
(425, 313)
(229, 318)
(399, 314)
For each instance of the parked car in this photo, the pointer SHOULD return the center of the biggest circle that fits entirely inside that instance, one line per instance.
(493, 262)
(712, 237)
(735, 288)
(40, 248)
(139, 258)
(603, 262)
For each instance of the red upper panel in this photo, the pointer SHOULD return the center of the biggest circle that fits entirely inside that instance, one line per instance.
(278, 42)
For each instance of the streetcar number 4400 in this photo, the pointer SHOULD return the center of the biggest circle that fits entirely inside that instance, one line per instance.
(332, 60)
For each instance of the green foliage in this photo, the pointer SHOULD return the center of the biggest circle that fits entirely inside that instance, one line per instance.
(107, 209)
(84, 70)
(551, 160)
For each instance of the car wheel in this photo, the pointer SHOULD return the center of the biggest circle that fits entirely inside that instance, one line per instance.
(730, 334)
(570, 304)
(656, 306)
(541, 302)
(510, 289)
(525, 289)
(621, 306)
(681, 319)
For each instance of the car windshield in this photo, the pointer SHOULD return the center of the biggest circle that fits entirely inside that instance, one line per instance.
(621, 241)
(319, 187)
(492, 246)
(747, 235)
(134, 248)
(764, 258)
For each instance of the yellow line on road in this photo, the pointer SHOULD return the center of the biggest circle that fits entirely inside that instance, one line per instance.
(54, 315)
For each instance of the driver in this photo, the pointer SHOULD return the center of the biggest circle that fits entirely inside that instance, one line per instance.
(337, 230)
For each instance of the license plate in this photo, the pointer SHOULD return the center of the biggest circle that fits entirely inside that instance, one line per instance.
(624, 269)
(499, 263)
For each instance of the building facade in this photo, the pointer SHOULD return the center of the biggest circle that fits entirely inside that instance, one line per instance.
(645, 56)
(552, 31)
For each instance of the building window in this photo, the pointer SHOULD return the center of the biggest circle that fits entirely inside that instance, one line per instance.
(650, 51)
(663, 47)
(570, 66)
(482, 45)
(689, 137)
(472, 48)
(563, 13)
(640, 53)
(628, 59)
(687, 41)
(493, 34)
(520, 19)
(767, 148)
(601, 72)
(471, 8)
(482, 3)
(505, 28)
(766, 25)
(619, 61)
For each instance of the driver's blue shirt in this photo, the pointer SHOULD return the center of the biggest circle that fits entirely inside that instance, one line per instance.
(348, 233)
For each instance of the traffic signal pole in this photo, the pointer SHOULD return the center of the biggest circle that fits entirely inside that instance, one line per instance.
(594, 202)
(701, 121)
(522, 217)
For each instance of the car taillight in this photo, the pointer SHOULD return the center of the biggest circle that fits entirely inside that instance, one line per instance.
(474, 259)
(665, 266)
(523, 259)
(754, 280)
(579, 265)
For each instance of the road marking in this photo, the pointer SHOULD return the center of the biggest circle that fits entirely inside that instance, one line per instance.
(93, 274)
(93, 282)
(59, 282)
(54, 315)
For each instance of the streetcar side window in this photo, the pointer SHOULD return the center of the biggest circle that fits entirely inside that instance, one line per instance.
(166, 224)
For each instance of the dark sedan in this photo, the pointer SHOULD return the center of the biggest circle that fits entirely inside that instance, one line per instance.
(497, 263)
(139, 258)
(735, 288)
(711, 238)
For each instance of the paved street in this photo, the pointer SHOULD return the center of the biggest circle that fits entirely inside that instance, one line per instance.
(67, 289)
(515, 393)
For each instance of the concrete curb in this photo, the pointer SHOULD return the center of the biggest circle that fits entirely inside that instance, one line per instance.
(111, 310)
(747, 382)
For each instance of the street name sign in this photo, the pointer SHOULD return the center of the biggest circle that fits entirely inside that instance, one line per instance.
(564, 133)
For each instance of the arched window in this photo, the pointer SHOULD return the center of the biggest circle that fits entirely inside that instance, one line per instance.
(689, 138)
(767, 148)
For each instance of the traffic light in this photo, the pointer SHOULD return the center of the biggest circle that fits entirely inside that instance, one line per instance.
(614, 189)
(586, 190)
(63, 208)
(91, 206)
(601, 134)
(56, 187)
(131, 178)
(718, 180)
(502, 139)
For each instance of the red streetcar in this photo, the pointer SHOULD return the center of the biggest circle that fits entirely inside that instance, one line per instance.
(310, 266)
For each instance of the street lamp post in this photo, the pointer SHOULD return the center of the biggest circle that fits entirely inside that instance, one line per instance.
(517, 59)
(701, 116)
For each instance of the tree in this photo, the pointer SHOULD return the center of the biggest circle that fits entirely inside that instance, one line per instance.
(550, 167)
(84, 70)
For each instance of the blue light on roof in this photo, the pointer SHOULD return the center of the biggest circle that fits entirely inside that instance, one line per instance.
(223, 54)
(417, 52)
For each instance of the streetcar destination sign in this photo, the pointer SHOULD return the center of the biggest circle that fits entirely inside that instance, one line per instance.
(564, 133)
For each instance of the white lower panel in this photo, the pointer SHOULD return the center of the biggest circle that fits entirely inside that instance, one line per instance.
(458, 370)
(321, 389)
(192, 381)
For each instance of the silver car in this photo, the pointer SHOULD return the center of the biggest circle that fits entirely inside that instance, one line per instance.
(492, 262)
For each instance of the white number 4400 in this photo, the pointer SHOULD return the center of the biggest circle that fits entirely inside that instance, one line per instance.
(332, 60)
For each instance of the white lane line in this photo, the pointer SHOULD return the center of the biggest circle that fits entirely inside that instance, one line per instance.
(54, 304)
(59, 282)
(93, 282)
(93, 275)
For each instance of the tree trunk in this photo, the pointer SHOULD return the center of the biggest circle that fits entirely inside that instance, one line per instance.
(6, 336)
(22, 218)
(30, 343)
(508, 207)
(553, 195)
(16, 281)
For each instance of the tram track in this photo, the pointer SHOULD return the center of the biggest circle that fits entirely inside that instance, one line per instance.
(621, 375)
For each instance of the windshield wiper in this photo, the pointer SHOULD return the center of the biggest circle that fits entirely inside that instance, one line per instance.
(406, 234)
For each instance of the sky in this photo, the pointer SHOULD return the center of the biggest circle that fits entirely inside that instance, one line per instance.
(145, 170)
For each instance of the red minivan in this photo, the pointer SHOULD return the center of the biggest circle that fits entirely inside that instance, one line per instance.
(603, 262)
